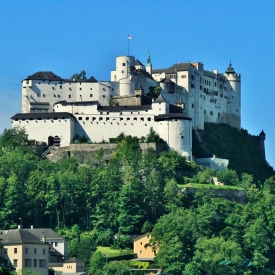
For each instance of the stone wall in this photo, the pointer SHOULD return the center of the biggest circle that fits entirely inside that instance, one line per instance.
(89, 153)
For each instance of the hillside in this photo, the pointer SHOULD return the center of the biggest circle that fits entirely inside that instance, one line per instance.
(236, 145)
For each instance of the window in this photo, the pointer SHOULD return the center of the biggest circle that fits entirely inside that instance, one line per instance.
(15, 262)
(34, 251)
(205, 112)
(34, 262)
(123, 64)
(219, 114)
(69, 96)
(6, 250)
(141, 243)
(211, 113)
(122, 71)
(42, 263)
(121, 118)
(56, 244)
(104, 96)
(60, 86)
(80, 89)
(183, 76)
(80, 118)
(192, 105)
(128, 118)
(28, 262)
(91, 95)
(87, 118)
(44, 251)
(149, 119)
(26, 250)
(141, 119)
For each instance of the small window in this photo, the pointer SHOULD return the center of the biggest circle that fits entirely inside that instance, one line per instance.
(28, 262)
(211, 113)
(122, 71)
(135, 119)
(121, 118)
(15, 263)
(192, 105)
(205, 112)
(35, 263)
(34, 251)
(6, 250)
(87, 118)
(91, 88)
(42, 263)
(141, 119)
(149, 119)
(128, 118)
(26, 250)
(44, 95)
(80, 89)
(94, 119)
(123, 64)
(104, 96)
(44, 251)
(60, 86)
(219, 114)
(104, 89)
(141, 243)
(91, 95)
(69, 96)
(100, 118)
(56, 244)
(80, 118)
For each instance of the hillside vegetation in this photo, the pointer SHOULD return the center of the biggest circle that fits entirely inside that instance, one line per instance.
(236, 145)
(137, 192)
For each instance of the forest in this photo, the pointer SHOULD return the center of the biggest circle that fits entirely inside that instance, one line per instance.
(137, 192)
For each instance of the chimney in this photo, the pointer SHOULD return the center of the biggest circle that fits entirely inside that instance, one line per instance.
(44, 238)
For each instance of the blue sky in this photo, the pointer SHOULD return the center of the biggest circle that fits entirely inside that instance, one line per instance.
(69, 36)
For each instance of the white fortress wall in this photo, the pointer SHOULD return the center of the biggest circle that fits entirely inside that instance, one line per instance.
(41, 129)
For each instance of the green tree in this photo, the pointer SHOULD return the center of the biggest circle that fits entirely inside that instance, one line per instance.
(116, 267)
(81, 75)
(97, 262)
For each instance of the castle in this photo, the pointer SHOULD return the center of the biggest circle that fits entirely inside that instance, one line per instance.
(55, 109)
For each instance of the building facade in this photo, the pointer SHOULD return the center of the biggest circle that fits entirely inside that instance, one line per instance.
(55, 109)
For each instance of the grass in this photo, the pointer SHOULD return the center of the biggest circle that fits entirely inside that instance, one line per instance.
(210, 186)
(109, 252)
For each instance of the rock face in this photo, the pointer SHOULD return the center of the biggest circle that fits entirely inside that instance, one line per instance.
(89, 153)
(233, 195)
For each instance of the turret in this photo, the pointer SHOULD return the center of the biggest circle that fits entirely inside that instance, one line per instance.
(262, 147)
(234, 95)
(149, 64)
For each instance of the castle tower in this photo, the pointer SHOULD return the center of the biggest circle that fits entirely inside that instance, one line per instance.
(233, 93)
(149, 64)
(262, 147)
(124, 75)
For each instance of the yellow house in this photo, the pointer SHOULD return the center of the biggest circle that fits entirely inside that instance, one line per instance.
(142, 247)
(24, 251)
(71, 266)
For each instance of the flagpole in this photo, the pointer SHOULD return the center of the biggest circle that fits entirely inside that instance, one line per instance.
(128, 45)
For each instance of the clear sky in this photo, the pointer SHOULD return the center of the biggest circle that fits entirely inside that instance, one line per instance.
(66, 37)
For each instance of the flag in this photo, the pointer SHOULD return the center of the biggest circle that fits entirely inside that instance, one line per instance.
(129, 36)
